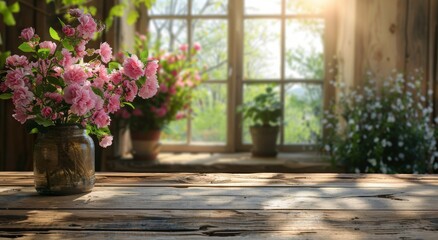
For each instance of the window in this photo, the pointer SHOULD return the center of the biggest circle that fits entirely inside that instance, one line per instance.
(247, 45)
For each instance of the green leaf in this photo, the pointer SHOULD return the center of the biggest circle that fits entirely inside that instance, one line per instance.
(55, 81)
(144, 56)
(3, 56)
(60, 21)
(132, 17)
(92, 10)
(128, 104)
(66, 44)
(113, 65)
(15, 7)
(3, 7)
(43, 53)
(34, 131)
(39, 90)
(8, 18)
(25, 47)
(97, 91)
(5, 96)
(54, 34)
(43, 121)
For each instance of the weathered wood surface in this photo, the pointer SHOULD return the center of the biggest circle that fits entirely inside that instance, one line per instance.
(238, 206)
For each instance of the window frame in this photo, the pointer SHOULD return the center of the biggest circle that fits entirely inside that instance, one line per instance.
(235, 82)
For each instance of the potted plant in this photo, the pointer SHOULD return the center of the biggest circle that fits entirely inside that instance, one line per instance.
(264, 113)
(66, 91)
(177, 77)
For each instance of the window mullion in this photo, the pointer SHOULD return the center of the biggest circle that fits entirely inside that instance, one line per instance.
(189, 42)
(282, 82)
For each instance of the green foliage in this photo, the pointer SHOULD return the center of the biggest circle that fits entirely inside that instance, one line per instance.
(54, 34)
(7, 12)
(264, 110)
(382, 130)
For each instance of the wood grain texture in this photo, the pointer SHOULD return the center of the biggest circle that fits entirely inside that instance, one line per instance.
(237, 206)
(239, 223)
(242, 180)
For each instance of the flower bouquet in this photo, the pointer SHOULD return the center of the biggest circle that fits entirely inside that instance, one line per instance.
(64, 83)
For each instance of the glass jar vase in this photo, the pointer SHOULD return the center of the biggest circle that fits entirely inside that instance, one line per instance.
(63, 159)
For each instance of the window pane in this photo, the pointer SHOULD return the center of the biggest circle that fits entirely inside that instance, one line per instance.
(168, 34)
(169, 7)
(304, 56)
(175, 133)
(305, 6)
(249, 94)
(262, 49)
(205, 7)
(262, 7)
(212, 35)
(209, 123)
(302, 115)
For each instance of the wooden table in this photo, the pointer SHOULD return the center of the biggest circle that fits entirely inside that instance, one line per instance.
(248, 206)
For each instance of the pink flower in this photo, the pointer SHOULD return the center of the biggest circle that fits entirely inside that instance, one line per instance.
(100, 118)
(102, 77)
(15, 78)
(150, 88)
(87, 26)
(159, 112)
(105, 52)
(163, 88)
(131, 90)
(22, 97)
(197, 47)
(151, 68)
(183, 47)
(81, 99)
(133, 67)
(106, 141)
(75, 74)
(3, 87)
(46, 112)
(116, 77)
(27, 33)
(16, 61)
(20, 115)
(113, 103)
(80, 49)
(68, 30)
(76, 12)
(180, 115)
(56, 97)
(67, 59)
(49, 45)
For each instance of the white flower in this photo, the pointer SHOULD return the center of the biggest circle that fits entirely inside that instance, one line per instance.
(373, 162)
(391, 118)
(327, 147)
(357, 170)
(376, 140)
(400, 144)
(401, 155)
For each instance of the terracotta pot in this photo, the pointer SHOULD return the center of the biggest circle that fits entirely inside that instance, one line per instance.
(264, 141)
(64, 161)
(146, 145)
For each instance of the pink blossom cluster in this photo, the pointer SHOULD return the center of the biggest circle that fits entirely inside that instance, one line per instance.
(58, 86)
(178, 75)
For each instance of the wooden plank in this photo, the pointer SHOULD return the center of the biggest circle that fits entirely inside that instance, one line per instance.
(214, 223)
(251, 235)
(242, 180)
(413, 198)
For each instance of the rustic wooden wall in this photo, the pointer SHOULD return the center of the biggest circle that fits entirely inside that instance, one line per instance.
(15, 143)
(384, 35)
